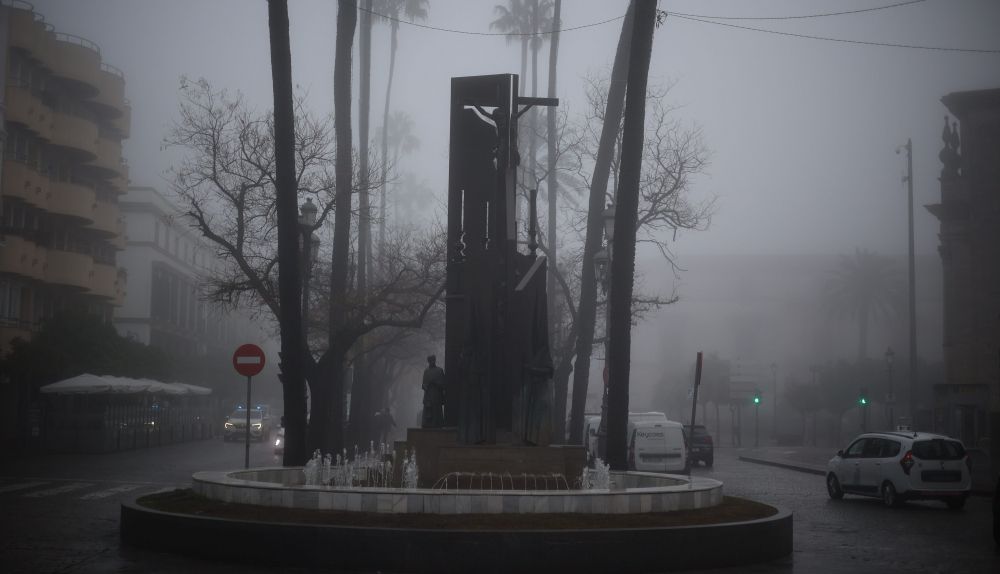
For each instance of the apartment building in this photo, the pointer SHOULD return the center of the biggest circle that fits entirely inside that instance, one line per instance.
(64, 116)
(168, 264)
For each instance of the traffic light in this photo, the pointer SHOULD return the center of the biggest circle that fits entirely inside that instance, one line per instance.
(756, 397)
(862, 397)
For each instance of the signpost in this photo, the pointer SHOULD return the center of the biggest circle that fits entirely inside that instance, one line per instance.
(248, 360)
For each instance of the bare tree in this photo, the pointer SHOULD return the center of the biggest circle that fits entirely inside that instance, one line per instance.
(226, 184)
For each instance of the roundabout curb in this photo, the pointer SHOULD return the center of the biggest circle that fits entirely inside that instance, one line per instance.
(436, 550)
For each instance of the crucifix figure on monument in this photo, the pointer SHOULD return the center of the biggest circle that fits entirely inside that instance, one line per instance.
(498, 365)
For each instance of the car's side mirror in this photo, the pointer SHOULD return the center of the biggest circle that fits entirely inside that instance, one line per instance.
(840, 453)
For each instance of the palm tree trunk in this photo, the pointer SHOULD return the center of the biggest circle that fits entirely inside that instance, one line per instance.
(524, 65)
(587, 312)
(393, 42)
(331, 438)
(623, 248)
(358, 416)
(289, 293)
(552, 189)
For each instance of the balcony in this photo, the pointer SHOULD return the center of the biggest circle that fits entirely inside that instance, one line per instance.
(23, 257)
(77, 59)
(109, 155)
(72, 199)
(68, 268)
(105, 279)
(25, 108)
(27, 31)
(123, 123)
(105, 217)
(118, 239)
(74, 132)
(111, 86)
(22, 181)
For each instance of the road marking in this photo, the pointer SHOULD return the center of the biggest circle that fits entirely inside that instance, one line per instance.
(20, 486)
(59, 489)
(111, 491)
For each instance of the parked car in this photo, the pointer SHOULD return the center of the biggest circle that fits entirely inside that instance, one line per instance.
(236, 423)
(657, 446)
(700, 448)
(279, 441)
(901, 466)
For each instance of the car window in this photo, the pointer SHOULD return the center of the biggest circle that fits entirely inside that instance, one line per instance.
(856, 449)
(938, 449)
(873, 448)
(890, 448)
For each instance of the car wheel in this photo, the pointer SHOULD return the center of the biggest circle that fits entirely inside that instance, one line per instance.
(955, 503)
(889, 496)
(833, 487)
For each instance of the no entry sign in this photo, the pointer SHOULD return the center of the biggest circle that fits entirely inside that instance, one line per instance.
(248, 360)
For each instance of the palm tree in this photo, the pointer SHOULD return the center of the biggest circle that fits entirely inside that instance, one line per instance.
(393, 11)
(401, 140)
(328, 411)
(290, 319)
(866, 286)
(587, 306)
(626, 219)
(514, 20)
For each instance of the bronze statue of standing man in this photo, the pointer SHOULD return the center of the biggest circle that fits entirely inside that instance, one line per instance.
(433, 386)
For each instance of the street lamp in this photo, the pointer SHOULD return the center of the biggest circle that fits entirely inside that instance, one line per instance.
(310, 248)
(890, 399)
(602, 263)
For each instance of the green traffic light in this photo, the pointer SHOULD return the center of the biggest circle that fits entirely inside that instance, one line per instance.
(863, 401)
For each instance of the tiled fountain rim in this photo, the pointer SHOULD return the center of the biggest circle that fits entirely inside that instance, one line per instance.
(675, 494)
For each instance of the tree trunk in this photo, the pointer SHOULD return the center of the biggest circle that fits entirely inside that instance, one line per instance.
(289, 288)
(623, 248)
(360, 412)
(332, 438)
(587, 312)
(385, 137)
(552, 188)
(524, 65)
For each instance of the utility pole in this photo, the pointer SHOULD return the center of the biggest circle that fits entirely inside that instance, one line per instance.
(913, 288)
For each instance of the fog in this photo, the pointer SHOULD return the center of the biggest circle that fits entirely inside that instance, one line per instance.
(802, 135)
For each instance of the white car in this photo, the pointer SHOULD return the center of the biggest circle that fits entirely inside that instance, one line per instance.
(900, 466)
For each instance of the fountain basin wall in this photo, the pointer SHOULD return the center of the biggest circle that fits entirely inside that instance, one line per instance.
(635, 492)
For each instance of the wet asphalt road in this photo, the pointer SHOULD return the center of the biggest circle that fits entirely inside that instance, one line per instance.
(60, 514)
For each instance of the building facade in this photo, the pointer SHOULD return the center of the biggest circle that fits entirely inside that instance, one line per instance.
(64, 117)
(168, 264)
(969, 215)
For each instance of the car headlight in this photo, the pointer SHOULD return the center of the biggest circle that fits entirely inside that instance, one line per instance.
(229, 425)
(256, 426)
(277, 442)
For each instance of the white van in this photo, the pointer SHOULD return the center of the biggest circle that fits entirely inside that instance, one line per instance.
(657, 446)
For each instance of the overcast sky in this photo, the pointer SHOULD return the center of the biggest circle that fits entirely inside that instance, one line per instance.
(802, 132)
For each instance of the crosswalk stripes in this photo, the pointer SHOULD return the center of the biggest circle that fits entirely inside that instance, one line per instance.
(111, 491)
(59, 489)
(21, 486)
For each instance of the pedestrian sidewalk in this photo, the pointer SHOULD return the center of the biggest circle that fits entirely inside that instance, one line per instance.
(813, 460)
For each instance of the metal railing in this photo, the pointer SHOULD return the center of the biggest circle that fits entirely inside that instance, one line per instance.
(112, 70)
(77, 40)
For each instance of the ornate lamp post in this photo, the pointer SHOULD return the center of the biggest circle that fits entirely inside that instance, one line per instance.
(602, 264)
(890, 399)
(310, 248)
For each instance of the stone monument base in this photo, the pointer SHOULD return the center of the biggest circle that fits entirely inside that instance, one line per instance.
(439, 453)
